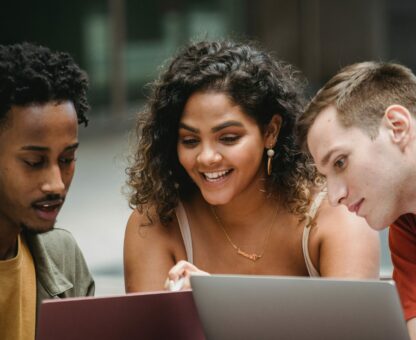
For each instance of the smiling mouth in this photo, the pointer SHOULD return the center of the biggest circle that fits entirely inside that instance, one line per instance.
(216, 176)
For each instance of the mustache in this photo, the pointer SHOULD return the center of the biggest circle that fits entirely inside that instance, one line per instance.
(50, 199)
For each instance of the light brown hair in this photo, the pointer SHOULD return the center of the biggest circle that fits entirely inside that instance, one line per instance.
(361, 93)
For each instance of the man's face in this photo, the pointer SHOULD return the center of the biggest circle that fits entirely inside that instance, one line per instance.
(37, 162)
(363, 174)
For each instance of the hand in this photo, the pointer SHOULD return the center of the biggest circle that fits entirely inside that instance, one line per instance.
(179, 276)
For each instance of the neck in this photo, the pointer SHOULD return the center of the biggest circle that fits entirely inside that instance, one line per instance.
(409, 195)
(412, 159)
(8, 244)
(406, 201)
(409, 187)
(8, 248)
(247, 213)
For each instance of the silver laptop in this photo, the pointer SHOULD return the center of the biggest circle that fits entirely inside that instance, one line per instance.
(277, 307)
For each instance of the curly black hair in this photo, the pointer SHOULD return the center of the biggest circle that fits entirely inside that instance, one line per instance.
(250, 77)
(32, 74)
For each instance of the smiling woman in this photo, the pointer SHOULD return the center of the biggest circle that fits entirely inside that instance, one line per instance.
(218, 183)
(223, 150)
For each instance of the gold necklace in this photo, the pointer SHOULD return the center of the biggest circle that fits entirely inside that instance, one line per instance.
(253, 256)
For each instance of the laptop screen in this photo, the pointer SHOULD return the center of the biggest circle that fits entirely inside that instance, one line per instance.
(267, 307)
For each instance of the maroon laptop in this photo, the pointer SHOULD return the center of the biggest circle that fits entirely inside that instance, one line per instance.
(159, 315)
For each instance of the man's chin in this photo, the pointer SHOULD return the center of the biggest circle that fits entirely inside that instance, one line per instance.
(376, 225)
(37, 229)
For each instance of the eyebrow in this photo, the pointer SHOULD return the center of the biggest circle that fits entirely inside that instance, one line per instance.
(225, 125)
(44, 148)
(187, 127)
(326, 158)
(215, 128)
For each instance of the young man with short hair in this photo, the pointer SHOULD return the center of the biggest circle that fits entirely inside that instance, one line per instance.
(42, 100)
(360, 129)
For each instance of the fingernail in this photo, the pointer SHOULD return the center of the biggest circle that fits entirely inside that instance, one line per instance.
(176, 286)
(166, 285)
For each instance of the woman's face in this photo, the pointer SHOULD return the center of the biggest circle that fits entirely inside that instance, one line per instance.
(221, 148)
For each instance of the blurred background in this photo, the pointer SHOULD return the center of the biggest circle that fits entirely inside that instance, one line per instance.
(123, 43)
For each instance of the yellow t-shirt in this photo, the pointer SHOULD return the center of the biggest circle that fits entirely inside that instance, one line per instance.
(18, 295)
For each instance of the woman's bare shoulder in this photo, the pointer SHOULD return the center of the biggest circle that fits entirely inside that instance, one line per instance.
(147, 227)
(150, 250)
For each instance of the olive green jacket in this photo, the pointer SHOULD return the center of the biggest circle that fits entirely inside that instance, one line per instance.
(61, 270)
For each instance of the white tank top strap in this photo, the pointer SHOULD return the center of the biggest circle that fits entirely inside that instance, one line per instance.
(317, 203)
(185, 230)
(306, 230)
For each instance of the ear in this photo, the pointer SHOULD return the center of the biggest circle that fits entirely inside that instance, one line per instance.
(272, 131)
(398, 121)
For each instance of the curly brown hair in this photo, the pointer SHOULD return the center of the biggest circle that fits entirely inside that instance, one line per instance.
(254, 80)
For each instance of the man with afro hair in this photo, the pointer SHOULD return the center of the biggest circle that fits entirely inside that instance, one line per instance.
(42, 101)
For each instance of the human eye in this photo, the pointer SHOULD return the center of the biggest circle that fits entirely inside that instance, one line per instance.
(340, 163)
(189, 141)
(67, 159)
(229, 138)
(34, 162)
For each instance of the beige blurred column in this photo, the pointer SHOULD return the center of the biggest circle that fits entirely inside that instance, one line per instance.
(118, 40)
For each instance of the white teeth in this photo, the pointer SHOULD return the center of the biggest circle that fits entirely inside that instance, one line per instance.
(215, 175)
(47, 206)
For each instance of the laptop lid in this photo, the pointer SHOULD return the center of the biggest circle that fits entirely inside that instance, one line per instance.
(161, 315)
(267, 307)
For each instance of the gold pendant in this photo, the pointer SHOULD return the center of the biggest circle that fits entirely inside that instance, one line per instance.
(253, 257)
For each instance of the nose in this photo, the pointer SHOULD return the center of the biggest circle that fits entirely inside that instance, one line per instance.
(53, 182)
(337, 191)
(208, 155)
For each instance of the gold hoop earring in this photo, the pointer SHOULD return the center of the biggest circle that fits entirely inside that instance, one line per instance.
(270, 155)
